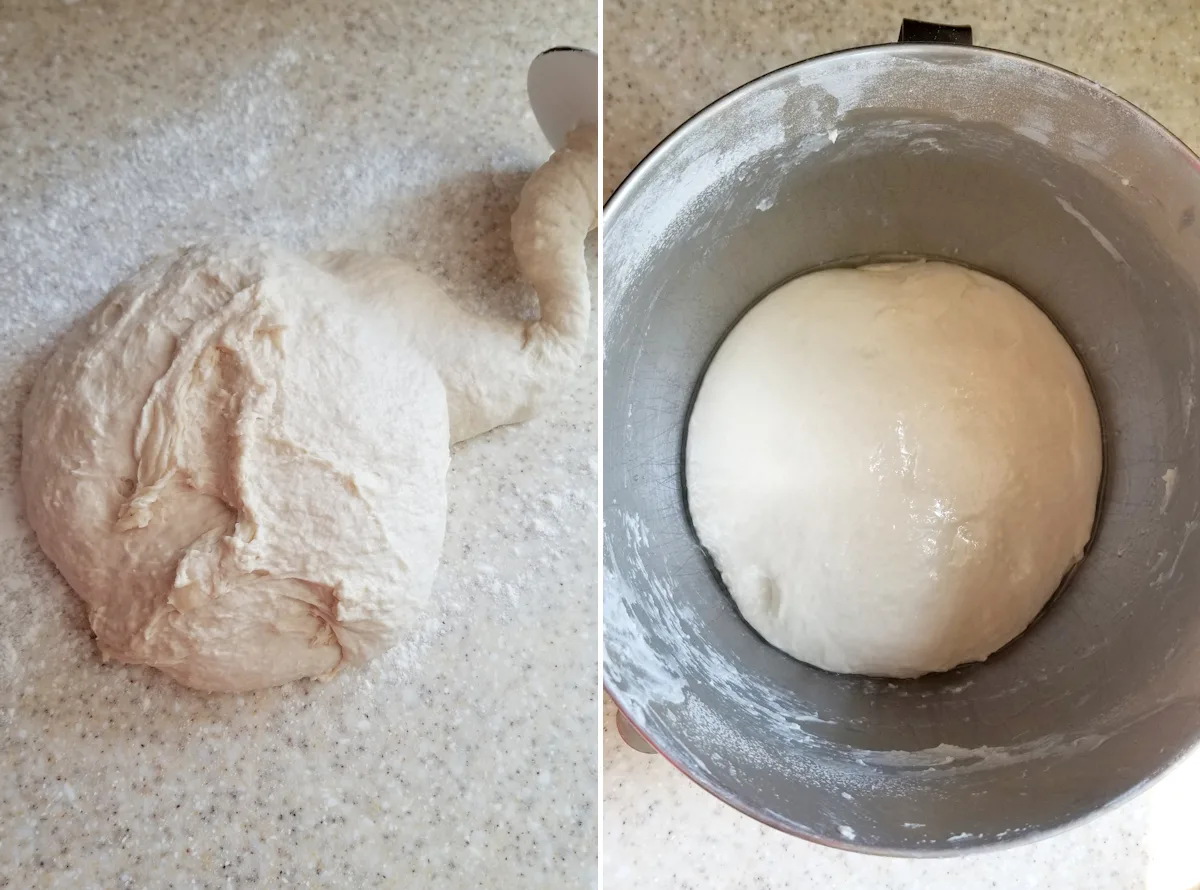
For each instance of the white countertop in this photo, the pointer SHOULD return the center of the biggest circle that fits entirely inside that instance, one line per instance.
(464, 758)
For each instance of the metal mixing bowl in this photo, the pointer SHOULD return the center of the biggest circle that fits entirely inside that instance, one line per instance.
(1021, 170)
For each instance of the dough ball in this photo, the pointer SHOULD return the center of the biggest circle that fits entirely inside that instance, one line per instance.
(240, 477)
(893, 467)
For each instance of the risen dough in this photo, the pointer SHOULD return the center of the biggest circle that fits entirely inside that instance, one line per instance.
(238, 459)
(893, 467)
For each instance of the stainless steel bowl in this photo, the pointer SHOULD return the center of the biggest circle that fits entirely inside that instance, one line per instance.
(1019, 169)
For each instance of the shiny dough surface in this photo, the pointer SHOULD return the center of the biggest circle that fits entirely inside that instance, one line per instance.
(893, 467)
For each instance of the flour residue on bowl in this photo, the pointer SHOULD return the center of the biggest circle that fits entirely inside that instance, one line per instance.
(1096, 233)
(1186, 397)
(966, 760)
(637, 534)
(688, 168)
(639, 668)
(1188, 528)
(1169, 478)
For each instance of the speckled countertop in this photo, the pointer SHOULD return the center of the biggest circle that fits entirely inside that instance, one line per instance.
(464, 758)
(660, 830)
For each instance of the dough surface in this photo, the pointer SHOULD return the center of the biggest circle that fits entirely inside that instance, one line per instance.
(893, 467)
(238, 474)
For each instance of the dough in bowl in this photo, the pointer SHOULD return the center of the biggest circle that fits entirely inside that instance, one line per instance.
(893, 467)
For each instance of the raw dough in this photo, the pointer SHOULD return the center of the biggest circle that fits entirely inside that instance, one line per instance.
(238, 459)
(240, 476)
(497, 371)
(893, 467)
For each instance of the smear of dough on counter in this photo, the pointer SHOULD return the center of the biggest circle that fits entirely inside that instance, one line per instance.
(893, 467)
(238, 459)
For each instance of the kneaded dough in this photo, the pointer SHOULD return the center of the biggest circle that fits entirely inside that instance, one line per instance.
(238, 459)
(238, 472)
(893, 467)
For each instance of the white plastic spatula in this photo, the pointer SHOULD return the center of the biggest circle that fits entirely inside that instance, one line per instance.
(563, 91)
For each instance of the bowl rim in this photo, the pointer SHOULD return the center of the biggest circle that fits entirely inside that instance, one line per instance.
(614, 204)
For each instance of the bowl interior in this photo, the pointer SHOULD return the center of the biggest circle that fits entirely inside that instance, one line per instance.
(1022, 171)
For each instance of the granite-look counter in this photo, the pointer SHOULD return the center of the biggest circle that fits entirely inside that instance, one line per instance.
(663, 62)
(466, 757)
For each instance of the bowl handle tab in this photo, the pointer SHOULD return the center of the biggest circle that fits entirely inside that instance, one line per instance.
(914, 31)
